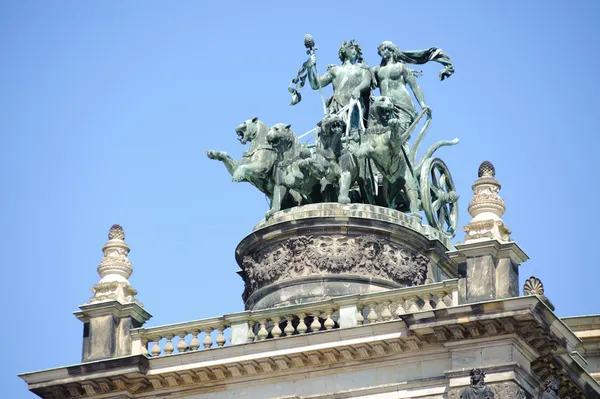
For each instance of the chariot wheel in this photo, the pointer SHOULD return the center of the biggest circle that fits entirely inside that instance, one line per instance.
(439, 198)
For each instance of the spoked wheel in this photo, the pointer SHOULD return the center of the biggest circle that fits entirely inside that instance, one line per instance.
(439, 197)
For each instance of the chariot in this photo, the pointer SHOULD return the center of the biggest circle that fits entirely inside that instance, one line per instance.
(437, 192)
(430, 177)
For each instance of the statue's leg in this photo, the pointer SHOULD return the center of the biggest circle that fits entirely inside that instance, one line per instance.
(259, 167)
(345, 183)
(229, 163)
(296, 172)
(323, 183)
(413, 197)
(296, 196)
(279, 193)
(258, 171)
(366, 182)
(386, 193)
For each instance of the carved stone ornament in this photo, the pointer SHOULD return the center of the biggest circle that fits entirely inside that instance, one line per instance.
(486, 208)
(116, 232)
(114, 270)
(309, 255)
(508, 390)
(486, 169)
(533, 286)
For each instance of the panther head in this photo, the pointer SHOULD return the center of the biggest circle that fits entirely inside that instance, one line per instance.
(382, 110)
(247, 131)
(332, 125)
(281, 136)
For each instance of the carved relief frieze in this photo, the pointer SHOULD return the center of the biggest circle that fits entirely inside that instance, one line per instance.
(316, 255)
(508, 390)
(505, 390)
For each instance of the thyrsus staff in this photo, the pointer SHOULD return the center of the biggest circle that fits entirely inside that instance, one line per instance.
(300, 78)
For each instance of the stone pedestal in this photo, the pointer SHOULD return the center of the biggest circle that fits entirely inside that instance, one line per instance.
(487, 270)
(319, 251)
(106, 327)
(488, 261)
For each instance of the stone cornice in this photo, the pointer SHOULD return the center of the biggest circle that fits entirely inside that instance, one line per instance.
(518, 319)
(113, 308)
(494, 316)
(492, 247)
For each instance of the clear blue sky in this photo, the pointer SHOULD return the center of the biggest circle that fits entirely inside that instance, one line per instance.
(107, 108)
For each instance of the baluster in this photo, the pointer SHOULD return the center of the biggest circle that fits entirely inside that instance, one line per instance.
(385, 313)
(181, 345)
(220, 337)
(156, 348)
(372, 316)
(207, 342)
(439, 300)
(276, 330)
(329, 323)
(301, 328)
(194, 343)
(169, 348)
(359, 315)
(251, 336)
(448, 299)
(411, 304)
(400, 309)
(145, 346)
(262, 332)
(427, 302)
(316, 324)
(289, 328)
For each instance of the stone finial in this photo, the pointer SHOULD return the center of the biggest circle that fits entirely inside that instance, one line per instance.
(114, 270)
(116, 232)
(486, 208)
(486, 169)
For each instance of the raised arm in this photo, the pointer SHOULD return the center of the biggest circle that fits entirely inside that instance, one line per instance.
(316, 82)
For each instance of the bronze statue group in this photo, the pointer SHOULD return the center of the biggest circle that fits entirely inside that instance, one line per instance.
(361, 152)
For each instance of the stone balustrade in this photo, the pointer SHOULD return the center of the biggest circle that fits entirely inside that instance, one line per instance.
(251, 326)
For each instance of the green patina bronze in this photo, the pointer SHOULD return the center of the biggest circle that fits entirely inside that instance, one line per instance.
(363, 151)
